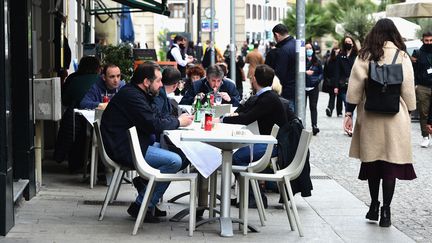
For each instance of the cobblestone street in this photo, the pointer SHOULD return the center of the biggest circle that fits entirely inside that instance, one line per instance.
(411, 208)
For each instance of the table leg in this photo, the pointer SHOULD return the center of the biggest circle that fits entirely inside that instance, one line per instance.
(225, 220)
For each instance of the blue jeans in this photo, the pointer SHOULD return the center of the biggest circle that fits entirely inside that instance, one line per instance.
(165, 161)
(242, 155)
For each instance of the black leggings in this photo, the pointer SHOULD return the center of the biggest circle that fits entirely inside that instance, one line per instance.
(313, 101)
(388, 187)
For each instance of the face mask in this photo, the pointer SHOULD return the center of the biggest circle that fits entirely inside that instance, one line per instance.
(348, 46)
(427, 47)
(309, 52)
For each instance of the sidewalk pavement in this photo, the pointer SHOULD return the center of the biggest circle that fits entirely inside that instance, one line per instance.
(66, 210)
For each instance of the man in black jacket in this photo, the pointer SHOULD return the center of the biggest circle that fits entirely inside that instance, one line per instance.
(133, 106)
(267, 110)
(423, 80)
(285, 62)
(266, 98)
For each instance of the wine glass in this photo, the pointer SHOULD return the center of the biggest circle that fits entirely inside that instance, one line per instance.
(218, 98)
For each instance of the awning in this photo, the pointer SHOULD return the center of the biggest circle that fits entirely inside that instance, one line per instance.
(153, 6)
(412, 9)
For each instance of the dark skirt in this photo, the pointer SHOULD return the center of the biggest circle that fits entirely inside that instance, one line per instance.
(385, 170)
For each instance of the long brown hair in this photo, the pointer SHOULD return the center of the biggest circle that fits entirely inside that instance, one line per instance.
(384, 30)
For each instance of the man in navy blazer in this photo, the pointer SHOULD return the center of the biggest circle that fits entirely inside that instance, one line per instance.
(213, 82)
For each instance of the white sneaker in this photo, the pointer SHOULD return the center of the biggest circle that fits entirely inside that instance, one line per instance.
(425, 142)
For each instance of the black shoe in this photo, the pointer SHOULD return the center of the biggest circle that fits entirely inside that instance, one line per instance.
(372, 214)
(133, 211)
(315, 130)
(159, 213)
(385, 220)
(252, 202)
(328, 112)
(339, 114)
(139, 183)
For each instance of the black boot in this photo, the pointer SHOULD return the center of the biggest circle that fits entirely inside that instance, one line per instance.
(315, 130)
(385, 220)
(372, 214)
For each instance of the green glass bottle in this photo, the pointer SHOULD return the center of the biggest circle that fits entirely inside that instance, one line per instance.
(197, 107)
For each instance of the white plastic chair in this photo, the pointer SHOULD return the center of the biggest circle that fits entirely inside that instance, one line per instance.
(153, 175)
(118, 174)
(283, 177)
(258, 166)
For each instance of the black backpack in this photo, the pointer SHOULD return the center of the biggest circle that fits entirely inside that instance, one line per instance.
(383, 87)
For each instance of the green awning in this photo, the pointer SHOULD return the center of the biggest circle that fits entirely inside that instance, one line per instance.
(158, 7)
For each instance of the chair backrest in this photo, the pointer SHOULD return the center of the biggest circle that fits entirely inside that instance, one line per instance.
(253, 127)
(102, 152)
(297, 164)
(141, 166)
(262, 163)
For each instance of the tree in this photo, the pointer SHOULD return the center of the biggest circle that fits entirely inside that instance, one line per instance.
(120, 55)
(339, 9)
(317, 20)
(357, 23)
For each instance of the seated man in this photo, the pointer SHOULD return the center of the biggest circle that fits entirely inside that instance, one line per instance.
(213, 82)
(132, 106)
(259, 111)
(170, 80)
(104, 89)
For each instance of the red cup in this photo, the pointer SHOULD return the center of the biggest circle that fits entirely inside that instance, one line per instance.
(105, 99)
(208, 122)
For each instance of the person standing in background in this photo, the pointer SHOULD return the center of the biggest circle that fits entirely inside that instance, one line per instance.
(345, 60)
(254, 58)
(330, 83)
(314, 74)
(177, 54)
(285, 61)
(422, 63)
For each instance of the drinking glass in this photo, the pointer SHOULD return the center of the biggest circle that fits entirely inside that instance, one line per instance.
(218, 99)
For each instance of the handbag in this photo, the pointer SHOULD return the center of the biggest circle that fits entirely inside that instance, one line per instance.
(383, 87)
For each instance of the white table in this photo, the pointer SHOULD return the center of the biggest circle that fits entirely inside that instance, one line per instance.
(90, 116)
(227, 142)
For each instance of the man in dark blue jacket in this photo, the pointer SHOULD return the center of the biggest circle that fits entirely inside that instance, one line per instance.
(285, 62)
(103, 89)
(213, 82)
(133, 106)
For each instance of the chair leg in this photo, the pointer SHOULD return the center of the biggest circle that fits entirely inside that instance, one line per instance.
(258, 200)
(283, 192)
(144, 205)
(118, 184)
(192, 209)
(261, 200)
(109, 193)
(245, 204)
(240, 198)
(293, 205)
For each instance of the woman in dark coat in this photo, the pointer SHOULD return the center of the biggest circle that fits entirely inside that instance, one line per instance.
(330, 83)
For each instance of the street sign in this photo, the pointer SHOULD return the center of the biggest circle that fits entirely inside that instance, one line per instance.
(205, 25)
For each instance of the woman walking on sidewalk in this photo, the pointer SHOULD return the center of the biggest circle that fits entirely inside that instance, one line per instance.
(381, 141)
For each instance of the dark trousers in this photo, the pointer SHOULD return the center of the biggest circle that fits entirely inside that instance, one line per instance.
(313, 101)
(331, 103)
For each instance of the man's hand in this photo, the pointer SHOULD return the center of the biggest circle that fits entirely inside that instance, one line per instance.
(102, 106)
(225, 96)
(429, 128)
(185, 119)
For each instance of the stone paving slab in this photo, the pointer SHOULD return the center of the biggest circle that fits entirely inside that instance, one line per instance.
(59, 214)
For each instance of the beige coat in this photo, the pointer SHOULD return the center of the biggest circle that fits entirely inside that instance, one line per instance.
(382, 136)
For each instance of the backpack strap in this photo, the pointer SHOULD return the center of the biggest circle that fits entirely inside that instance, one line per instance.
(395, 56)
